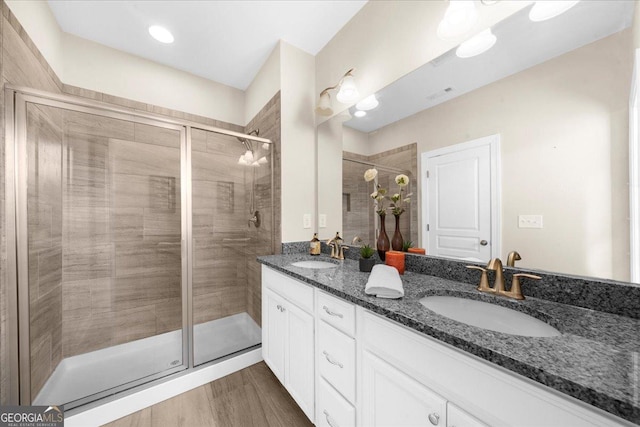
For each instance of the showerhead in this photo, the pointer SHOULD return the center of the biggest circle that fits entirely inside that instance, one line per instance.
(246, 142)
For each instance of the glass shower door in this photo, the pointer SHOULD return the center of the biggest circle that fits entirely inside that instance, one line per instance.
(231, 215)
(104, 259)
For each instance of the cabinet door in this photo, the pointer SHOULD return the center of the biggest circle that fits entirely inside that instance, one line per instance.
(299, 358)
(456, 417)
(392, 398)
(274, 327)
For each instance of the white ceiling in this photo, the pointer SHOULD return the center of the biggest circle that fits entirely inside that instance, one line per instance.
(224, 41)
(521, 44)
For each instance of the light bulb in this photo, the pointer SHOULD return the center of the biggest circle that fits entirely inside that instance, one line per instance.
(248, 156)
(348, 90)
(459, 19)
(241, 160)
(477, 44)
(369, 103)
(360, 113)
(266, 146)
(547, 9)
(262, 160)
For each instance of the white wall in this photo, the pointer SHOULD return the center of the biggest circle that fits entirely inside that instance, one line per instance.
(298, 159)
(563, 127)
(93, 66)
(264, 86)
(388, 39)
(38, 20)
(355, 141)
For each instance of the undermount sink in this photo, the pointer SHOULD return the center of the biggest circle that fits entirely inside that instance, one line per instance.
(489, 316)
(314, 264)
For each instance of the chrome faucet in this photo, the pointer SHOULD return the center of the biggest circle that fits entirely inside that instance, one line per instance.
(498, 285)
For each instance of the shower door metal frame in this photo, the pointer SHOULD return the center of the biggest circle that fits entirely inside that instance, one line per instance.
(16, 173)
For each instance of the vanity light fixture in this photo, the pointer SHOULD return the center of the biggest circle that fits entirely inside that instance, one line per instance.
(347, 92)
(360, 113)
(459, 19)
(369, 103)
(161, 34)
(547, 9)
(477, 44)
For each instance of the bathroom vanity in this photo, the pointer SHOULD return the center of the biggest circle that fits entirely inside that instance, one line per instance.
(352, 359)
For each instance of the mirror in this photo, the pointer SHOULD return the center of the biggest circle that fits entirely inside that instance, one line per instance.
(556, 92)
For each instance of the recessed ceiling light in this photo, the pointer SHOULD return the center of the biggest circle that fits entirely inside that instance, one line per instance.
(477, 44)
(547, 9)
(360, 113)
(161, 34)
(369, 103)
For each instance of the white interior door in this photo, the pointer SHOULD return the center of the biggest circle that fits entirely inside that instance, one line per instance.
(458, 200)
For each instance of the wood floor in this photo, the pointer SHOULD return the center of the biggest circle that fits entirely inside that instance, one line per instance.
(250, 397)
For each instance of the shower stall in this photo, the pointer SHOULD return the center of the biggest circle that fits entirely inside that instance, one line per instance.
(133, 237)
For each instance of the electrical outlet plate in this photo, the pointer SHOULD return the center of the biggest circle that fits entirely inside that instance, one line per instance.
(306, 221)
(529, 221)
(322, 221)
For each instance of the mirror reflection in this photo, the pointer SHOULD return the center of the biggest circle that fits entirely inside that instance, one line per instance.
(553, 98)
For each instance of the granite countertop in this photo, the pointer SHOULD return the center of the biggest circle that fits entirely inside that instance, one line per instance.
(595, 360)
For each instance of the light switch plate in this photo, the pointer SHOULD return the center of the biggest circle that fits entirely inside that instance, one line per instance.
(306, 221)
(322, 221)
(529, 221)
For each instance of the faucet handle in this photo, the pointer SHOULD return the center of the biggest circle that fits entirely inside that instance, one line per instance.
(484, 281)
(516, 291)
(341, 251)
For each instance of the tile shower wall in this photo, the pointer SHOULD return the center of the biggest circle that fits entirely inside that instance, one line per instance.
(122, 232)
(220, 226)
(44, 219)
(267, 238)
(22, 65)
(357, 213)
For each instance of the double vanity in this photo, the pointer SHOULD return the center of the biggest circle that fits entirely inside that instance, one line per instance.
(445, 354)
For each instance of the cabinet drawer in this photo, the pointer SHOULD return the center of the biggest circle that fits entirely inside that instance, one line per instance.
(291, 289)
(336, 357)
(336, 312)
(333, 410)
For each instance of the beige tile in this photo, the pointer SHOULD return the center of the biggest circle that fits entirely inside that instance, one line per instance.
(136, 291)
(147, 259)
(98, 126)
(76, 299)
(134, 324)
(87, 261)
(155, 135)
(135, 158)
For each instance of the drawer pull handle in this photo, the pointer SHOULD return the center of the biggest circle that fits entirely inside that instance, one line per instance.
(330, 420)
(434, 418)
(331, 360)
(332, 313)
(280, 308)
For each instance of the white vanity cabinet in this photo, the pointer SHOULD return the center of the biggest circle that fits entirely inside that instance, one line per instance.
(392, 398)
(288, 335)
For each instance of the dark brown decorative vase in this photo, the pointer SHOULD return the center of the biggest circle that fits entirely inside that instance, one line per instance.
(382, 244)
(397, 242)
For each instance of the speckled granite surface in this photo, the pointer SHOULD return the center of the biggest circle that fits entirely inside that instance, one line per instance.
(596, 359)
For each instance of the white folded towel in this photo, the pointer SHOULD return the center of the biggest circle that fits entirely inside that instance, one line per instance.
(384, 282)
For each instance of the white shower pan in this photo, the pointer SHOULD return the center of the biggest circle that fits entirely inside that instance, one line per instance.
(86, 374)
